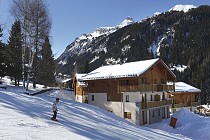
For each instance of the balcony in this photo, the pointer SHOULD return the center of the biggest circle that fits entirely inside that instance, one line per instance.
(146, 87)
(147, 105)
(189, 104)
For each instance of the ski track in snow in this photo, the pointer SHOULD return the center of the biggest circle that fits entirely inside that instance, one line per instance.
(25, 117)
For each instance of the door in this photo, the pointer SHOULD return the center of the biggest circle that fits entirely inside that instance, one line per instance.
(144, 117)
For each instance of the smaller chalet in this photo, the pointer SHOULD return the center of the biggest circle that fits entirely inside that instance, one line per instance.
(80, 89)
(185, 96)
(67, 83)
(136, 91)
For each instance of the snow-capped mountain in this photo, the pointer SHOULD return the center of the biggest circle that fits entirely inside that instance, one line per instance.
(181, 7)
(167, 35)
(82, 43)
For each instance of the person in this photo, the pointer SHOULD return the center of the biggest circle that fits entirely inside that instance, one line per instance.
(55, 109)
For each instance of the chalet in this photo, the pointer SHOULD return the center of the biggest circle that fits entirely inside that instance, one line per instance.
(185, 96)
(66, 84)
(64, 81)
(80, 89)
(136, 91)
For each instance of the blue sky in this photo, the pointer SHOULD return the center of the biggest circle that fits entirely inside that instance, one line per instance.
(72, 18)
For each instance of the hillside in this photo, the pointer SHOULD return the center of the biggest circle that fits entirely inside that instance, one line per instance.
(179, 36)
(28, 117)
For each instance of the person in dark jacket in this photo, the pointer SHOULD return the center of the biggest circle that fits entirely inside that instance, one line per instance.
(55, 109)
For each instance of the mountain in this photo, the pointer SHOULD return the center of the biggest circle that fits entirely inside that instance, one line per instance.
(82, 43)
(180, 37)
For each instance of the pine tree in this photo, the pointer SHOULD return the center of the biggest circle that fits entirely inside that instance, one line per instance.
(2, 56)
(14, 53)
(86, 67)
(47, 66)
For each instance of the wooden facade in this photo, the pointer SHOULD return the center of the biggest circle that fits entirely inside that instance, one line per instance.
(153, 80)
(80, 90)
(119, 94)
(186, 99)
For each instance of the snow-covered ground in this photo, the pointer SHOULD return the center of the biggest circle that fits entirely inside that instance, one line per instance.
(28, 117)
(188, 124)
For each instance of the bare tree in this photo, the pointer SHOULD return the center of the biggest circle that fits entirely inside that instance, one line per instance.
(36, 25)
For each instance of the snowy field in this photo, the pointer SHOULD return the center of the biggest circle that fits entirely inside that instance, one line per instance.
(188, 124)
(25, 117)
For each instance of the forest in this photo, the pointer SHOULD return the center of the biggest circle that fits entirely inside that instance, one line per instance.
(183, 39)
(27, 55)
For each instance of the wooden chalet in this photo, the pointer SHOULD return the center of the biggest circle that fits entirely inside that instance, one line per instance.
(80, 89)
(136, 91)
(185, 96)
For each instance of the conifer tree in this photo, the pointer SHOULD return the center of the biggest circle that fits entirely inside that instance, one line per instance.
(14, 53)
(47, 66)
(2, 56)
(86, 67)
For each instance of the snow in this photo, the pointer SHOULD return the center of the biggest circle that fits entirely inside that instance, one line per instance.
(62, 62)
(66, 80)
(82, 43)
(183, 87)
(188, 124)
(25, 117)
(125, 48)
(121, 70)
(126, 22)
(156, 14)
(94, 59)
(78, 77)
(179, 68)
(111, 61)
(184, 8)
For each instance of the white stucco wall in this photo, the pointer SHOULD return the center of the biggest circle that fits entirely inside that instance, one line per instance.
(100, 99)
(78, 98)
(118, 108)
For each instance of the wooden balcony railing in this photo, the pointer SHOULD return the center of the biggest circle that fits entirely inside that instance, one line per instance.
(145, 87)
(189, 104)
(146, 105)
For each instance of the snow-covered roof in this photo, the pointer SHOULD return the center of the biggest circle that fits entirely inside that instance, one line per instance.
(183, 87)
(121, 70)
(66, 80)
(79, 77)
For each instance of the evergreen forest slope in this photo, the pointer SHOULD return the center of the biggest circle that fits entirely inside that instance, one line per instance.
(177, 37)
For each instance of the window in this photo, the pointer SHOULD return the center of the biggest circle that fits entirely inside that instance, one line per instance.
(144, 97)
(92, 97)
(163, 96)
(157, 97)
(127, 115)
(127, 98)
(151, 97)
